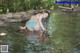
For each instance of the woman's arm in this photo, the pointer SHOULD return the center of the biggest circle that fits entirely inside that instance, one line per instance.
(41, 25)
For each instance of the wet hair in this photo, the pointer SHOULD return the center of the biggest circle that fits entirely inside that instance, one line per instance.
(41, 11)
(46, 11)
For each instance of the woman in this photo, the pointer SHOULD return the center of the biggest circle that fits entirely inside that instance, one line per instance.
(35, 24)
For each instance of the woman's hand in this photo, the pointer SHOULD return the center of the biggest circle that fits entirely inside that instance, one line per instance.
(45, 30)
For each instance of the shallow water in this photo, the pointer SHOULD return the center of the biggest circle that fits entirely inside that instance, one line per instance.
(62, 29)
(16, 40)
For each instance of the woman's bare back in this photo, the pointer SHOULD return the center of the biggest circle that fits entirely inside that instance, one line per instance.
(37, 18)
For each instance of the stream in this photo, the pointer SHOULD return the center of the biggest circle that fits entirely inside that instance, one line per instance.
(21, 43)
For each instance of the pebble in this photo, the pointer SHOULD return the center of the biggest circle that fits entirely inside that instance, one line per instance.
(3, 34)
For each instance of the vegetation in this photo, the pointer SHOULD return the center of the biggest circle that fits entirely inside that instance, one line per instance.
(24, 5)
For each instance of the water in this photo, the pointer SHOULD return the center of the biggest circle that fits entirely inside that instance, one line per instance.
(29, 44)
(67, 32)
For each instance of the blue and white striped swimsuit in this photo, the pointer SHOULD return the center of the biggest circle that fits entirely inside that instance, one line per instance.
(31, 24)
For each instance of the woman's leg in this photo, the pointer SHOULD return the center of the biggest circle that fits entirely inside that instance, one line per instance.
(27, 32)
(38, 34)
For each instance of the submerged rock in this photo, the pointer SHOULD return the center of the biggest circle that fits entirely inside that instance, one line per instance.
(3, 23)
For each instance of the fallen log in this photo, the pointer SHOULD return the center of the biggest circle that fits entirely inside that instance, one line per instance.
(67, 9)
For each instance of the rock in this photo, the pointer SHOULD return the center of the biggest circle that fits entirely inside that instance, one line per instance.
(14, 17)
(13, 20)
(1, 22)
(17, 15)
(3, 34)
(76, 9)
(9, 15)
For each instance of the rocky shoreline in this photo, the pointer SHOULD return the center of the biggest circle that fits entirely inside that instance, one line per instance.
(13, 17)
